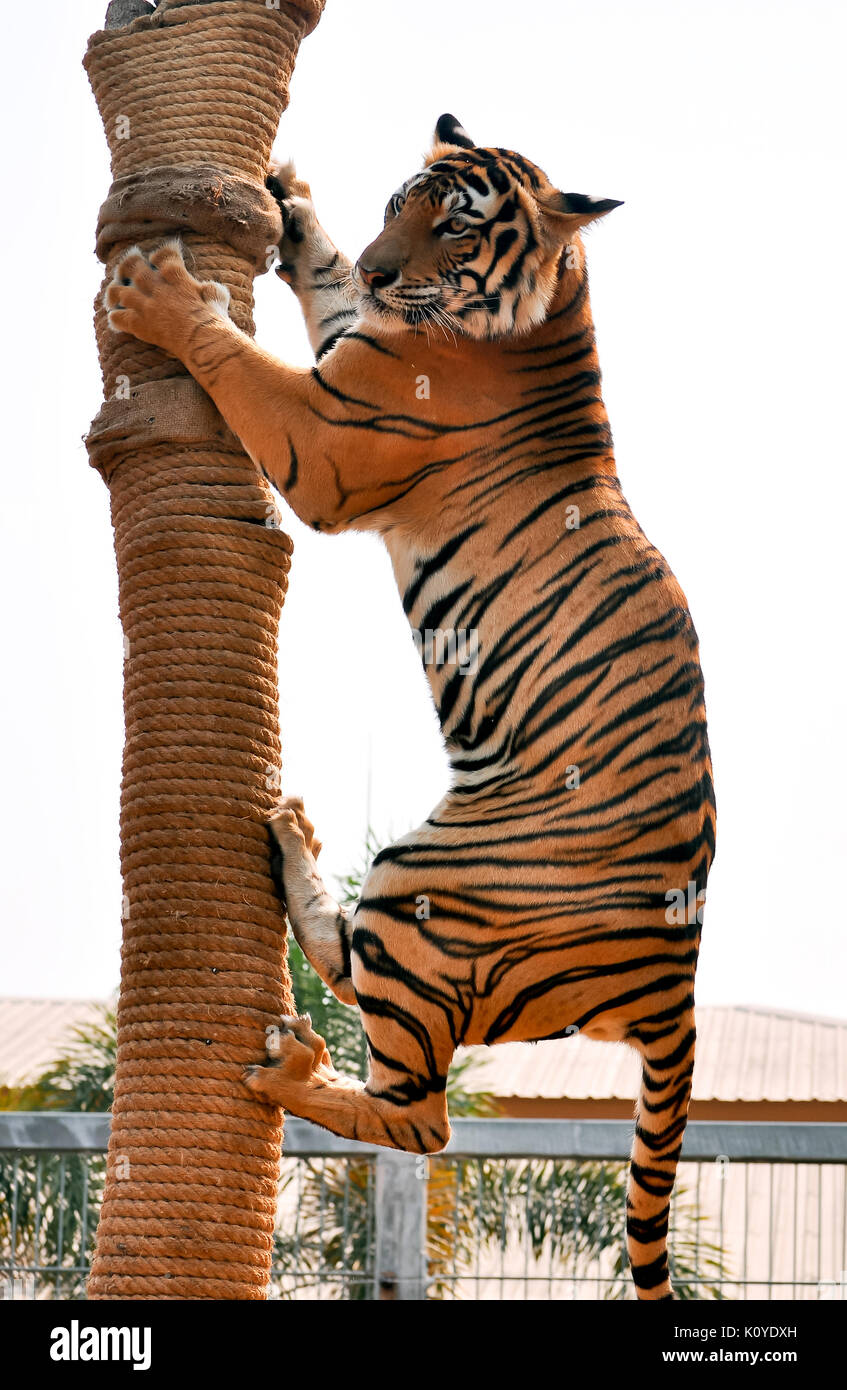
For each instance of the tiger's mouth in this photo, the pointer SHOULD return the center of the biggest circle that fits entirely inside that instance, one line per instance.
(406, 297)
(413, 305)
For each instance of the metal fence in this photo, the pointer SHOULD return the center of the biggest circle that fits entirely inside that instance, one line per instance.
(527, 1209)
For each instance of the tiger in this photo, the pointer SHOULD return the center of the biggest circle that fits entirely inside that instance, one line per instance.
(455, 410)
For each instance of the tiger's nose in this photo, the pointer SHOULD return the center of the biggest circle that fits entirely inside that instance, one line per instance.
(377, 277)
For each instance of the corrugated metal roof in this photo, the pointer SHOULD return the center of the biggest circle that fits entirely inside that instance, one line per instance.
(34, 1031)
(743, 1053)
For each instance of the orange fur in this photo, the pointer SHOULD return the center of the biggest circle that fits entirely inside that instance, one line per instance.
(582, 792)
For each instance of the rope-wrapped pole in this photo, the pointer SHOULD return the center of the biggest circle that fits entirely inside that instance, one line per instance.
(190, 95)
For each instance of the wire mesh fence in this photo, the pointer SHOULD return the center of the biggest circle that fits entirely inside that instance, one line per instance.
(520, 1209)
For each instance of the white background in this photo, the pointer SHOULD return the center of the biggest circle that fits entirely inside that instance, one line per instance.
(718, 294)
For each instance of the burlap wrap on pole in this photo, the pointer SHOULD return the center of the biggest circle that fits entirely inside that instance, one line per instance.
(221, 207)
(190, 97)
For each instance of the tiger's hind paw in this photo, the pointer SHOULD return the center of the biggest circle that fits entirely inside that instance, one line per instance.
(295, 1052)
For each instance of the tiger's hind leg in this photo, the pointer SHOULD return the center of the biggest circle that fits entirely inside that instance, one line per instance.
(321, 928)
(395, 1107)
(667, 1052)
(395, 973)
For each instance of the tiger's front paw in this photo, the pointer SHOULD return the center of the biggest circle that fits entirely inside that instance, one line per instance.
(299, 221)
(291, 827)
(156, 299)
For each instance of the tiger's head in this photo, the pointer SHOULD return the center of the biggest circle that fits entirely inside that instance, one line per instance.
(472, 243)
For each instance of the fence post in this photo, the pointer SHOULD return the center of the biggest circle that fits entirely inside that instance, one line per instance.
(400, 1225)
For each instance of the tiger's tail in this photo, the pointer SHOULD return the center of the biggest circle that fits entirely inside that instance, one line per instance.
(661, 1117)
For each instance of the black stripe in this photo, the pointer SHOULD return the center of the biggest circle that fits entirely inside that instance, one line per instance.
(293, 468)
(427, 568)
(651, 1275)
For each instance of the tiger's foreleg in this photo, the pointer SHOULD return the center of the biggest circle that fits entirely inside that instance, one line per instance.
(321, 928)
(311, 264)
(391, 1108)
(279, 412)
(667, 1068)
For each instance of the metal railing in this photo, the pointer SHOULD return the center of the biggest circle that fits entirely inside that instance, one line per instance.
(513, 1209)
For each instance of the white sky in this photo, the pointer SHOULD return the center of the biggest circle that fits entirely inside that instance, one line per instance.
(719, 299)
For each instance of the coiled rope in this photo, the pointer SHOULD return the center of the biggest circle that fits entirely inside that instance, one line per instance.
(190, 97)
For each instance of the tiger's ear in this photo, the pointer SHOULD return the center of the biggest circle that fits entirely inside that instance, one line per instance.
(449, 131)
(569, 211)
